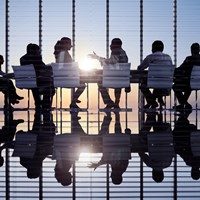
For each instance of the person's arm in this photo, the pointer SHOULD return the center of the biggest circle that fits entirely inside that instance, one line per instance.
(145, 64)
(112, 60)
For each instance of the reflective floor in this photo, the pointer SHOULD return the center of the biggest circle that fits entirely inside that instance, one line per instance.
(128, 154)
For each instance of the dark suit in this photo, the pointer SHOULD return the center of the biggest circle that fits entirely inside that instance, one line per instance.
(44, 80)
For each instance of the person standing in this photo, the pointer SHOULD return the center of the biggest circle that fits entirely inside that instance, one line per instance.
(118, 55)
(157, 57)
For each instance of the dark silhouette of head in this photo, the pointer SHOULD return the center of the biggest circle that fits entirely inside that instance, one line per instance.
(115, 43)
(65, 178)
(195, 173)
(116, 177)
(33, 49)
(195, 49)
(1, 161)
(1, 60)
(57, 48)
(157, 175)
(65, 43)
(33, 172)
(157, 46)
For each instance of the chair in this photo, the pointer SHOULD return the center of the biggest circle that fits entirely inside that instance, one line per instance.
(116, 147)
(116, 75)
(25, 76)
(66, 147)
(194, 142)
(161, 77)
(160, 144)
(195, 80)
(66, 75)
(25, 145)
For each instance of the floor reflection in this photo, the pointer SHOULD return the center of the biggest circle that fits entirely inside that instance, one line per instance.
(90, 155)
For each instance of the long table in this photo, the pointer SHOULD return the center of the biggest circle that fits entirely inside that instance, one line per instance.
(94, 76)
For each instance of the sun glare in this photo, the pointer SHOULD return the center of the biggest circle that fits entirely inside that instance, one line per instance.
(88, 64)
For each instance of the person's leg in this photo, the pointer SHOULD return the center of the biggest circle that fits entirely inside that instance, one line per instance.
(48, 94)
(76, 95)
(150, 98)
(117, 97)
(36, 96)
(105, 96)
(178, 89)
(187, 94)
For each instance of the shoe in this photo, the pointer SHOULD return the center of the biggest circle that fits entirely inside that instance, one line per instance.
(147, 106)
(74, 106)
(18, 121)
(179, 107)
(154, 105)
(110, 105)
(19, 97)
(14, 102)
(78, 101)
(116, 106)
(10, 108)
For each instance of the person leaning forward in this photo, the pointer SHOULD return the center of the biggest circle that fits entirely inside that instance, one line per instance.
(118, 55)
(33, 56)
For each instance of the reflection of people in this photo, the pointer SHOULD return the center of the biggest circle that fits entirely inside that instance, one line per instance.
(9, 88)
(160, 145)
(7, 133)
(66, 151)
(183, 144)
(45, 132)
(181, 85)
(118, 55)
(61, 53)
(43, 73)
(116, 149)
(157, 57)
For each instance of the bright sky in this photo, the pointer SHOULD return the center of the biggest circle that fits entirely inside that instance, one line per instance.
(90, 27)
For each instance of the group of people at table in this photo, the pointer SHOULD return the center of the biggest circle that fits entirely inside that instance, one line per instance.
(153, 98)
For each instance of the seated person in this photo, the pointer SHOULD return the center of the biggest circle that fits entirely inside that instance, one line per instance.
(157, 57)
(181, 85)
(8, 88)
(33, 56)
(118, 55)
(61, 53)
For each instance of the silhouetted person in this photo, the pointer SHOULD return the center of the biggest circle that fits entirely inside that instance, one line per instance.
(45, 131)
(157, 57)
(9, 90)
(118, 55)
(7, 133)
(116, 156)
(44, 77)
(61, 53)
(181, 85)
(160, 145)
(67, 156)
(183, 144)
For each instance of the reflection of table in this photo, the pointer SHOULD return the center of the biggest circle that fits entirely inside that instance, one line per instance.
(94, 76)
